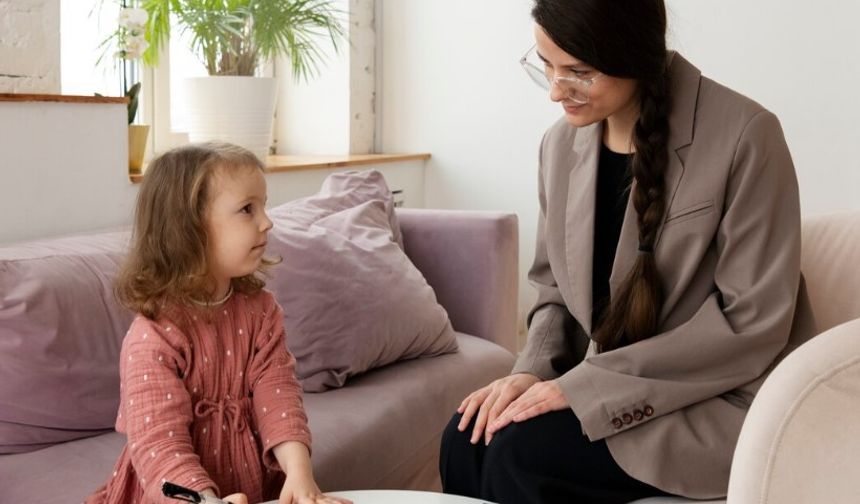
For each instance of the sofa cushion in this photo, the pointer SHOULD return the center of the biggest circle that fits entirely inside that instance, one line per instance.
(352, 299)
(60, 334)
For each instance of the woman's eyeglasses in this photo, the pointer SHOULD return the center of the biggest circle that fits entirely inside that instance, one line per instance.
(576, 87)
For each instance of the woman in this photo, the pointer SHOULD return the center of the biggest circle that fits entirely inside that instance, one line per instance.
(667, 268)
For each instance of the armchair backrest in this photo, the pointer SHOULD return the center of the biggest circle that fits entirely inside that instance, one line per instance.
(830, 263)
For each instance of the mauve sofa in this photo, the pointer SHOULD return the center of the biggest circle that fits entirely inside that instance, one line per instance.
(382, 430)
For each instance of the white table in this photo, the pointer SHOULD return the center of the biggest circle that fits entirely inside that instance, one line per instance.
(401, 497)
(404, 497)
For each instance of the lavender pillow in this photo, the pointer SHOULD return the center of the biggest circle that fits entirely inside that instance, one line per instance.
(60, 334)
(352, 300)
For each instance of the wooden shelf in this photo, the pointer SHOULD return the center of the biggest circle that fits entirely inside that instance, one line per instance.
(18, 97)
(292, 163)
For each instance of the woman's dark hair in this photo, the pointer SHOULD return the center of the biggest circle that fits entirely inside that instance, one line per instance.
(626, 38)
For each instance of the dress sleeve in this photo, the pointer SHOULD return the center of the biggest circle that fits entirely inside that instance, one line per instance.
(740, 329)
(277, 394)
(155, 410)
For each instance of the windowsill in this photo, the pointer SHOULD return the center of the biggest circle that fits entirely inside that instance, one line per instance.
(293, 163)
(21, 97)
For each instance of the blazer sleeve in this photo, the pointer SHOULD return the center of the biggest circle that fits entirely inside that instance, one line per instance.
(550, 348)
(739, 330)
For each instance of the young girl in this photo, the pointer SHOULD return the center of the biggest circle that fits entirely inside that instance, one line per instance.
(209, 399)
(667, 267)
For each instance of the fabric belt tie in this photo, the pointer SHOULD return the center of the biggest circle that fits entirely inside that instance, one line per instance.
(225, 412)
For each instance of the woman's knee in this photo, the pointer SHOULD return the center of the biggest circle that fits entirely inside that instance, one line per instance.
(452, 435)
(523, 446)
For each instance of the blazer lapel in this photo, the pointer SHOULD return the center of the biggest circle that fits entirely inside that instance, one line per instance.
(684, 82)
(579, 221)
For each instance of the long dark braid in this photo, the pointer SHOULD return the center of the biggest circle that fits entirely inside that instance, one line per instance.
(634, 312)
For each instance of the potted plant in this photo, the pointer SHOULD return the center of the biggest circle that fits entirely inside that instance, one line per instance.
(129, 42)
(232, 38)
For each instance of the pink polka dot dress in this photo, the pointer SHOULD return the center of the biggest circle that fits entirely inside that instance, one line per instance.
(204, 401)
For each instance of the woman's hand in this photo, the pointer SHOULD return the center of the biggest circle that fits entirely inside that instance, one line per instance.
(302, 489)
(490, 401)
(540, 398)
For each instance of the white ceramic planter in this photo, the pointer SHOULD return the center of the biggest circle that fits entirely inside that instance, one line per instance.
(232, 109)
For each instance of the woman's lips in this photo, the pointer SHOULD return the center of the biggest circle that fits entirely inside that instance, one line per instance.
(572, 109)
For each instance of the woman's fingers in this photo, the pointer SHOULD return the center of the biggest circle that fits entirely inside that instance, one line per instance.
(467, 414)
(471, 404)
(481, 420)
(521, 403)
(506, 397)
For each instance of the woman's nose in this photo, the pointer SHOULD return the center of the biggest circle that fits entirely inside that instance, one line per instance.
(556, 92)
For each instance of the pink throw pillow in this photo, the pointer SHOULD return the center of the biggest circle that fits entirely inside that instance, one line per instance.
(352, 299)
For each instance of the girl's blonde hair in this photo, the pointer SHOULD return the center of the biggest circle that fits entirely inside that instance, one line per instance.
(167, 261)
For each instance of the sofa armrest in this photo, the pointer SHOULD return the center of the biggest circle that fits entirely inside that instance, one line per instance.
(471, 260)
(800, 441)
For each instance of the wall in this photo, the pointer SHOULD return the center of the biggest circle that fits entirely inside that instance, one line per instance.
(29, 46)
(63, 170)
(63, 167)
(802, 61)
(452, 86)
(333, 112)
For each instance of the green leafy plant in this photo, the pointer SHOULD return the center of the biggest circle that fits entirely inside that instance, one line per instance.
(232, 36)
(133, 95)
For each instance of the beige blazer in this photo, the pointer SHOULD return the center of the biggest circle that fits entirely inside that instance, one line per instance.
(670, 408)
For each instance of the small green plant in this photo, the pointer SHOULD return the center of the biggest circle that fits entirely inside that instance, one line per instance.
(132, 94)
(231, 37)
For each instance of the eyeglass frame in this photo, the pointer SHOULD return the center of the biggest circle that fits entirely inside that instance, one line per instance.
(547, 82)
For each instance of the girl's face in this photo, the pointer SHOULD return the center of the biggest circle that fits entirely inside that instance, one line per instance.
(607, 95)
(236, 223)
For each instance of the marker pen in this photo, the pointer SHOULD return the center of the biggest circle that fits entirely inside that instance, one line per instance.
(186, 494)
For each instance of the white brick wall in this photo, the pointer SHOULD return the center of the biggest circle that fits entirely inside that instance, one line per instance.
(30, 46)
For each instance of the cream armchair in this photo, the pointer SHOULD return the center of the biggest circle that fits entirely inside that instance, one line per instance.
(800, 443)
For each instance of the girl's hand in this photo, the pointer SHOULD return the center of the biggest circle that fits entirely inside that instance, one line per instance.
(236, 498)
(540, 398)
(491, 401)
(301, 489)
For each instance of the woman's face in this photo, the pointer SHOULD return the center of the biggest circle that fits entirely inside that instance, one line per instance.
(607, 95)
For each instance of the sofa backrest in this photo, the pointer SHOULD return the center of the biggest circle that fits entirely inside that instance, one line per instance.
(830, 263)
(61, 330)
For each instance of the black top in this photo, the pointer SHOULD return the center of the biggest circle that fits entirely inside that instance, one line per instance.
(613, 189)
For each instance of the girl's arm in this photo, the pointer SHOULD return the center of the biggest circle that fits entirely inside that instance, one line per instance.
(300, 487)
(277, 395)
(155, 410)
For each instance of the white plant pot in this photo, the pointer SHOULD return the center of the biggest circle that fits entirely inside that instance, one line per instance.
(232, 109)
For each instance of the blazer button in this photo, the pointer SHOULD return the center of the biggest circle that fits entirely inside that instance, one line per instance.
(616, 422)
(637, 415)
(628, 419)
(648, 411)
